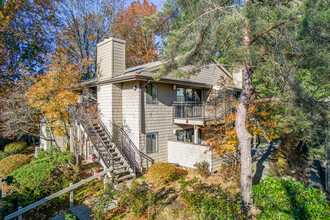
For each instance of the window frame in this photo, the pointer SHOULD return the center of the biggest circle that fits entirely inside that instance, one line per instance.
(189, 94)
(156, 141)
(150, 99)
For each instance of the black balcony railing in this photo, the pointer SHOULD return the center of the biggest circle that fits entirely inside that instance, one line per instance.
(197, 110)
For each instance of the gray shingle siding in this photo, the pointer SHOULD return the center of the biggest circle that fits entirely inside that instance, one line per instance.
(121, 102)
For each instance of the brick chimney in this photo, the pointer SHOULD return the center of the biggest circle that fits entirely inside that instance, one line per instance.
(110, 58)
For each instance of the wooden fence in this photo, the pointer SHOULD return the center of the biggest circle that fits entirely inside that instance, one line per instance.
(19, 213)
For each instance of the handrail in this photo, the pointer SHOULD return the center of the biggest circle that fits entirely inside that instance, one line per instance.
(53, 196)
(111, 162)
(110, 136)
(106, 129)
(133, 146)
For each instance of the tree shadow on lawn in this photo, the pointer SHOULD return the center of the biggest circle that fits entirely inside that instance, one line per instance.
(164, 197)
(298, 209)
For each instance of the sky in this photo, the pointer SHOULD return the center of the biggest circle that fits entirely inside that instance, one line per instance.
(157, 3)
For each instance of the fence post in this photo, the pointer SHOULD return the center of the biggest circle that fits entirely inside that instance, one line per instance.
(20, 217)
(105, 180)
(71, 196)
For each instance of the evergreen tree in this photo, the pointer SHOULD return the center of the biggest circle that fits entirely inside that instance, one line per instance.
(281, 47)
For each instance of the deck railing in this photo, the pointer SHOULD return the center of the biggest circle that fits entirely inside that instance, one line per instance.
(197, 110)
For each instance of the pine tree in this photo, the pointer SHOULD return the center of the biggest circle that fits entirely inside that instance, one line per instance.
(281, 47)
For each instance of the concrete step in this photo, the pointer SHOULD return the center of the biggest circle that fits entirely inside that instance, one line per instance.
(82, 212)
(119, 163)
(120, 173)
(114, 154)
(121, 167)
(106, 156)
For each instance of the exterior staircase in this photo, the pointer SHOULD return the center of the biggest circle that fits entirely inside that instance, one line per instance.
(118, 152)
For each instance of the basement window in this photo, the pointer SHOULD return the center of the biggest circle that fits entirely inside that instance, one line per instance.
(152, 142)
(152, 93)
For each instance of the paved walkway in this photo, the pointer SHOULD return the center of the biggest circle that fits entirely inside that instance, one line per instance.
(261, 161)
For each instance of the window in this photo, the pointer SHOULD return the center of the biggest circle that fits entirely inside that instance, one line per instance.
(152, 94)
(186, 135)
(185, 95)
(152, 143)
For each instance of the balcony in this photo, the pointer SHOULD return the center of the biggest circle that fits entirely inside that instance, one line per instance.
(196, 113)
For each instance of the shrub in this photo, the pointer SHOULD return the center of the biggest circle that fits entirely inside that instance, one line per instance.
(39, 179)
(12, 163)
(47, 153)
(288, 199)
(161, 173)
(230, 172)
(45, 175)
(4, 155)
(209, 201)
(203, 168)
(181, 171)
(15, 147)
(137, 198)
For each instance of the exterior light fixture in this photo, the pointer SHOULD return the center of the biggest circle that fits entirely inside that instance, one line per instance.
(135, 87)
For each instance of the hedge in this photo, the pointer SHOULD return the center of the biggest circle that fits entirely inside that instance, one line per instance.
(12, 163)
(15, 147)
(161, 173)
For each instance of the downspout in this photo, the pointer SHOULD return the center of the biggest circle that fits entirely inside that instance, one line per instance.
(142, 108)
(142, 127)
(142, 122)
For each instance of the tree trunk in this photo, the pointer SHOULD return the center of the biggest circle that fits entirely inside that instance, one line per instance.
(244, 137)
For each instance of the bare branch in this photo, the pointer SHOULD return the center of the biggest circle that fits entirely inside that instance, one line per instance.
(224, 70)
(224, 43)
(263, 100)
(206, 13)
(269, 29)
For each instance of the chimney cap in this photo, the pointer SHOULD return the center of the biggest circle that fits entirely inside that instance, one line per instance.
(110, 40)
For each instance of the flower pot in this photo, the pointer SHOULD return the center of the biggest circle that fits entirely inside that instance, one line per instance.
(95, 172)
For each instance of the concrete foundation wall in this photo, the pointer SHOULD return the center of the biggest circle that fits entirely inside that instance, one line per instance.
(186, 154)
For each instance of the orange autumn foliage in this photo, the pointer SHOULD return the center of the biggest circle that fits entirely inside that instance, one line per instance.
(54, 92)
(222, 138)
(140, 47)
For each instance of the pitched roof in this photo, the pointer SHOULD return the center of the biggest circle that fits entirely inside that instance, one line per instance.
(145, 72)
